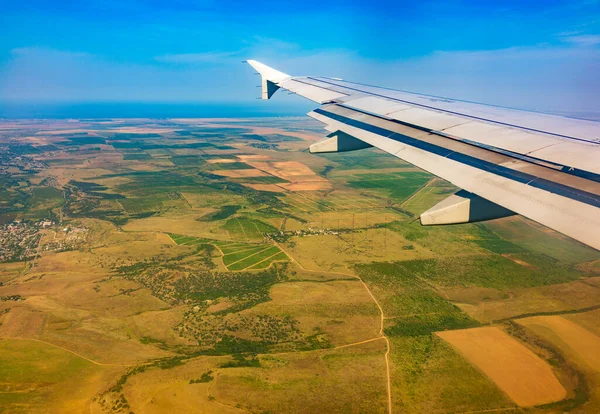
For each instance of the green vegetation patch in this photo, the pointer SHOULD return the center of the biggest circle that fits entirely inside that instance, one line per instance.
(268, 179)
(179, 239)
(23, 149)
(238, 256)
(398, 185)
(84, 140)
(231, 166)
(255, 258)
(88, 199)
(499, 246)
(211, 286)
(222, 213)
(151, 183)
(280, 257)
(46, 195)
(416, 308)
(142, 156)
(142, 204)
(243, 228)
(236, 247)
(366, 159)
(129, 136)
(430, 376)
(538, 240)
(493, 271)
(243, 253)
(205, 377)
(423, 324)
(187, 160)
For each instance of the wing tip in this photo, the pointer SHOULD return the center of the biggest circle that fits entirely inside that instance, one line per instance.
(267, 72)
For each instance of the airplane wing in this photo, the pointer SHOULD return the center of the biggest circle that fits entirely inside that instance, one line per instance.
(507, 161)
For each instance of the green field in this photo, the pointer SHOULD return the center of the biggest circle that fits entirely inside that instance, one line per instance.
(187, 160)
(142, 156)
(397, 186)
(242, 228)
(231, 166)
(239, 256)
(138, 205)
(254, 258)
(270, 179)
(419, 309)
(222, 213)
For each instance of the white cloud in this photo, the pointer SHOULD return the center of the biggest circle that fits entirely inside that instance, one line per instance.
(205, 57)
(257, 45)
(543, 78)
(582, 39)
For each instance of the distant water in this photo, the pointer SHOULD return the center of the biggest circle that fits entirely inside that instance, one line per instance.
(177, 110)
(152, 110)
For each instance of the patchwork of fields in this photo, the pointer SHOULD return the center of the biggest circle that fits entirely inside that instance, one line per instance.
(215, 265)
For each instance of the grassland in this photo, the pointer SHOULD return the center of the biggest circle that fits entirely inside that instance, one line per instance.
(40, 377)
(231, 277)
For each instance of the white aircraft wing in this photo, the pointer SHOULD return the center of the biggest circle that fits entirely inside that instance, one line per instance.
(544, 167)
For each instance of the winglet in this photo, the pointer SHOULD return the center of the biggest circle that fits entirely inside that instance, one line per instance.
(270, 78)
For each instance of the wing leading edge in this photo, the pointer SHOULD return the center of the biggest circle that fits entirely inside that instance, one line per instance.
(541, 166)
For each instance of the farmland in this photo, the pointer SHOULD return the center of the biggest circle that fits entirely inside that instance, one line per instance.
(526, 378)
(157, 265)
(239, 256)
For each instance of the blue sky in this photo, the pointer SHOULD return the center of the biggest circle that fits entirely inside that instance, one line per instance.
(542, 55)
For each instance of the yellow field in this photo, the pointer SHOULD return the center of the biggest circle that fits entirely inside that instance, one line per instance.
(10, 270)
(345, 380)
(342, 310)
(581, 345)
(588, 320)
(180, 224)
(300, 177)
(331, 252)
(517, 371)
(39, 377)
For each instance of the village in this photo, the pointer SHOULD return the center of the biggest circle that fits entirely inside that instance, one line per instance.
(21, 240)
